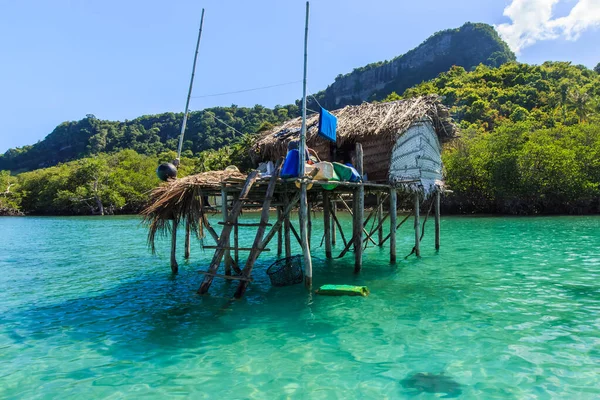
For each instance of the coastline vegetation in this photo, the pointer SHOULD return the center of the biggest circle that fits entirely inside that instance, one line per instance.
(529, 144)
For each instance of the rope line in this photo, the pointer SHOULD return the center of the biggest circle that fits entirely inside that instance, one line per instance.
(245, 90)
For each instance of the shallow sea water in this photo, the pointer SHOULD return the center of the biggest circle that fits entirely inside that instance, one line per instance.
(509, 308)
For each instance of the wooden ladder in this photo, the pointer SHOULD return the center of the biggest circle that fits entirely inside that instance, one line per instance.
(259, 244)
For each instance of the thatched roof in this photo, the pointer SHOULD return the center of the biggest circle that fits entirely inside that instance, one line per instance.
(357, 124)
(182, 198)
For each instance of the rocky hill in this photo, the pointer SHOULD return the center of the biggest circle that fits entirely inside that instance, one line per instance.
(467, 46)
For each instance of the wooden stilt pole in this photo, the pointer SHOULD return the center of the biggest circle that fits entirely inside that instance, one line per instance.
(327, 223)
(224, 211)
(417, 226)
(437, 220)
(302, 170)
(225, 234)
(279, 236)
(309, 223)
(379, 218)
(359, 211)
(393, 216)
(286, 231)
(187, 240)
(236, 243)
(258, 245)
(304, 237)
(333, 228)
(174, 266)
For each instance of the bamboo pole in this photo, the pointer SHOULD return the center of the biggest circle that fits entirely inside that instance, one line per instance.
(417, 226)
(327, 223)
(174, 266)
(301, 172)
(437, 220)
(359, 211)
(393, 216)
(187, 102)
(304, 237)
(224, 212)
(187, 240)
(286, 230)
(379, 218)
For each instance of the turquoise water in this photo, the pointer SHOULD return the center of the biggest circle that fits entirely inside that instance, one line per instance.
(509, 308)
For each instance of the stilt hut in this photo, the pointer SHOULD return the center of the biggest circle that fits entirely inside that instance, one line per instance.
(395, 146)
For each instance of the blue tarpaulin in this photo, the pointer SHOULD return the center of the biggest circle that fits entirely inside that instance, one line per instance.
(327, 125)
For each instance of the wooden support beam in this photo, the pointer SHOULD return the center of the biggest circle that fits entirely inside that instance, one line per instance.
(337, 222)
(187, 240)
(351, 241)
(351, 212)
(296, 235)
(437, 219)
(393, 216)
(359, 211)
(224, 211)
(174, 265)
(233, 248)
(228, 277)
(327, 223)
(277, 225)
(417, 225)
(333, 229)
(279, 235)
(304, 236)
(379, 218)
(258, 245)
(385, 239)
(286, 230)
(225, 233)
(309, 223)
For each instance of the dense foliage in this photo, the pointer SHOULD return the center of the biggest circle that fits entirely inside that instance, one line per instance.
(531, 138)
(530, 143)
(208, 129)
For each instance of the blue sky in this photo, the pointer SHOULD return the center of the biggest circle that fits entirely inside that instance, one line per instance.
(64, 59)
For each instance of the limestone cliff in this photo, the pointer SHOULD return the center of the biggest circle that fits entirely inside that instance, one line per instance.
(468, 46)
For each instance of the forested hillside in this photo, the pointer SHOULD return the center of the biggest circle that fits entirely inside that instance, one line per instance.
(211, 128)
(530, 138)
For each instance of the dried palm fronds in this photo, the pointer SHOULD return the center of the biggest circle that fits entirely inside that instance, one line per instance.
(358, 123)
(182, 199)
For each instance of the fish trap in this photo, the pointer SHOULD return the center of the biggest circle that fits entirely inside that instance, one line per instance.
(286, 272)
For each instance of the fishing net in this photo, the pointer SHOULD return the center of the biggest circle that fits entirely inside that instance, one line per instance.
(286, 272)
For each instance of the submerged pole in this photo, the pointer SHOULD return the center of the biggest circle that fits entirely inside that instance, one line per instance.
(379, 218)
(359, 211)
(437, 219)
(301, 172)
(187, 102)
(393, 216)
(187, 239)
(333, 227)
(417, 226)
(279, 235)
(174, 266)
(327, 223)
(224, 212)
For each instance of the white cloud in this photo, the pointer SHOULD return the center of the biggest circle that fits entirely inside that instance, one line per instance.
(533, 20)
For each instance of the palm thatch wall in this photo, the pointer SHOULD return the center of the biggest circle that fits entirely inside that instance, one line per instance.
(376, 126)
